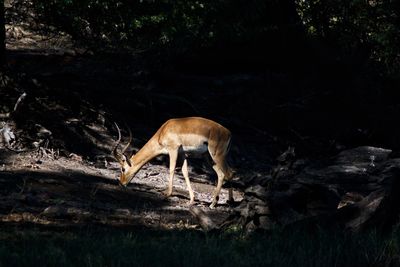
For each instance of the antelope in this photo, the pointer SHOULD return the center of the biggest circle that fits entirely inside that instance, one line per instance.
(184, 137)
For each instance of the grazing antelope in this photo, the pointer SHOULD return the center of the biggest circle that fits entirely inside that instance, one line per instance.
(185, 137)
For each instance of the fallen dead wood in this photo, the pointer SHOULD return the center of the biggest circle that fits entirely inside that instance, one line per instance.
(7, 137)
(356, 190)
(203, 219)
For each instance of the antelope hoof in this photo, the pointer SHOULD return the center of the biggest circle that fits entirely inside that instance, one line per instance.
(212, 206)
(167, 193)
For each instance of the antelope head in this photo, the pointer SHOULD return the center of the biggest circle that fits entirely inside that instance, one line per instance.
(124, 161)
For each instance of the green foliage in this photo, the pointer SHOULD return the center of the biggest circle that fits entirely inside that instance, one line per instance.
(364, 31)
(147, 23)
(371, 27)
(102, 247)
(108, 22)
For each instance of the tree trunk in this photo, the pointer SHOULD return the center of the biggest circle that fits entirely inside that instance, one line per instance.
(2, 36)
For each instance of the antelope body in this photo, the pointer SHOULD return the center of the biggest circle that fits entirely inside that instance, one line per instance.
(185, 137)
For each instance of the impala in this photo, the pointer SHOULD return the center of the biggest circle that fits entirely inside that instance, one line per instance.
(181, 137)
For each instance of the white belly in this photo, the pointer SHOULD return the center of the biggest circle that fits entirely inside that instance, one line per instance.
(200, 149)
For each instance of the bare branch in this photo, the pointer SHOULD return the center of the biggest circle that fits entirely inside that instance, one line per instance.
(20, 99)
(5, 115)
(8, 114)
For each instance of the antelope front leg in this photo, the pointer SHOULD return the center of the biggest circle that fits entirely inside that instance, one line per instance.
(186, 175)
(173, 156)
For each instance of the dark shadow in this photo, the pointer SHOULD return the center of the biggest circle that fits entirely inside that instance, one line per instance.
(71, 197)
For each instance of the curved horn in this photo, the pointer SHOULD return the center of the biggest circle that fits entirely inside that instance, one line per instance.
(129, 142)
(114, 150)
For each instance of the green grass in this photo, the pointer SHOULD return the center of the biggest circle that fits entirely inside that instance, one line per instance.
(105, 247)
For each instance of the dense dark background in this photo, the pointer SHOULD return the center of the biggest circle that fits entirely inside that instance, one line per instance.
(318, 68)
(319, 75)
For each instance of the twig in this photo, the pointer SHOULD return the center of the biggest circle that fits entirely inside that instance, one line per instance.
(16, 150)
(5, 115)
(93, 191)
(298, 135)
(22, 187)
(20, 99)
(8, 114)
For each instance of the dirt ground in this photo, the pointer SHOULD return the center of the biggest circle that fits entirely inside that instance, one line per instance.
(38, 189)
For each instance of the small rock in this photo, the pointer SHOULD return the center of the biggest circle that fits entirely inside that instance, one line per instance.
(250, 227)
(123, 212)
(262, 209)
(78, 212)
(265, 222)
(54, 211)
(257, 190)
(248, 211)
(75, 157)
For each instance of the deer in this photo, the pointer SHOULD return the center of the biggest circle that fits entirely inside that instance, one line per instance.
(183, 137)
